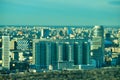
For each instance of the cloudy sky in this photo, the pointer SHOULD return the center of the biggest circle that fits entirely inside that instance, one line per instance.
(60, 12)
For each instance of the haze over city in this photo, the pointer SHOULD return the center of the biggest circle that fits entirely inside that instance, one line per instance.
(59, 12)
(60, 39)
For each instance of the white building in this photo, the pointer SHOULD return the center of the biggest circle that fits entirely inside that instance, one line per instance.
(5, 52)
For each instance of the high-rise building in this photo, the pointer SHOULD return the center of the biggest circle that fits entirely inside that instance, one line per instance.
(49, 54)
(5, 52)
(0, 49)
(82, 53)
(70, 49)
(97, 45)
(119, 38)
(60, 54)
(43, 54)
(13, 45)
(60, 51)
(45, 32)
(70, 54)
(86, 53)
(78, 53)
(36, 54)
(39, 54)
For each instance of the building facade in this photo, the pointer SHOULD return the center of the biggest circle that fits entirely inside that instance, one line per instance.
(5, 52)
(97, 45)
(23, 44)
(61, 54)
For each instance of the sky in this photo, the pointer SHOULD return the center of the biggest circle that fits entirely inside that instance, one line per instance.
(59, 12)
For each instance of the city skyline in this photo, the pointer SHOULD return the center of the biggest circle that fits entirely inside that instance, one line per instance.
(52, 12)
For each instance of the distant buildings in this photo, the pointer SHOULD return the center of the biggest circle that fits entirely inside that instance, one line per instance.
(54, 47)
